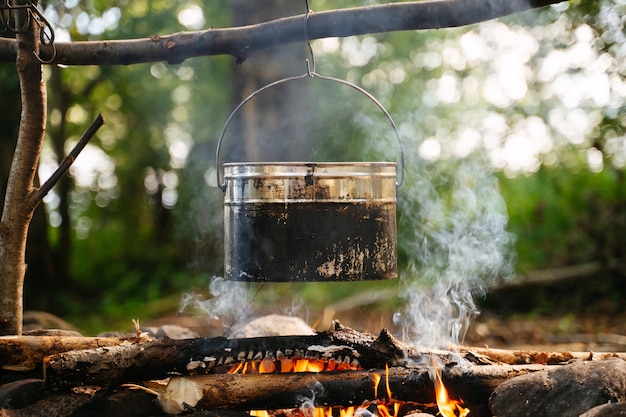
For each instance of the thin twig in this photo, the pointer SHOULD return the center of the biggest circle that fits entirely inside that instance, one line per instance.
(67, 162)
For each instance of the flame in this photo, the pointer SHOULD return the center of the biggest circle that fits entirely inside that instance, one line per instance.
(376, 379)
(384, 408)
(447, 406)
(387, 382)
(269, 366)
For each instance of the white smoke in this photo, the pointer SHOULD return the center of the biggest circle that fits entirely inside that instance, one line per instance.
(307, 404)
(457, 245)
(231, 301)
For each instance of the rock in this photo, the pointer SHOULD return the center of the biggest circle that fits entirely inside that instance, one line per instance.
(35, 320)
(271, 325)
(170, 331)
(607, 410)
(20, 393)
(565, 391)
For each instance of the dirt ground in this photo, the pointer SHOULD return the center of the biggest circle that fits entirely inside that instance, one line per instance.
(585, 313)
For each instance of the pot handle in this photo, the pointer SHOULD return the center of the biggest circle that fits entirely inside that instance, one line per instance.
(312, 74)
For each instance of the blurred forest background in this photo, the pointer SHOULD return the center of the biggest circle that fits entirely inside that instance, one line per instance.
(535, 100)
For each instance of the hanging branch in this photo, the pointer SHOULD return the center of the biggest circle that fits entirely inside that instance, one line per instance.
(241, 42)
(67, 162)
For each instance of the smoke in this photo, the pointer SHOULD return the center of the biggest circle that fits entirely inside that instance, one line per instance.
(231, 301)
(307, 404)
(452, 237)
(453, 234)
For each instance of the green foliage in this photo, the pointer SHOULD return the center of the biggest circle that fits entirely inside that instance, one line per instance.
(566, 217)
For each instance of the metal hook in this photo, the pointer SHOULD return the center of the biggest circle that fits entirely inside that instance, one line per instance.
(46, 37)
(310, 65)
(47, 61)
(9, 22)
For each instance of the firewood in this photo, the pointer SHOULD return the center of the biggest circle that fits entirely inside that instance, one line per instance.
(520, 357)
(140, 361)
(127, 362)
(407, 384)
(26, 353)
(135, 362)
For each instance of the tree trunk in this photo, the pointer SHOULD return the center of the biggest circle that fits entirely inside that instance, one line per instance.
(19, 203)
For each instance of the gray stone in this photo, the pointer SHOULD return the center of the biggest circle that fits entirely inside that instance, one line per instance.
(170, 331)
(20, 393)
(271, 325)
(607, 410)
(565, 391)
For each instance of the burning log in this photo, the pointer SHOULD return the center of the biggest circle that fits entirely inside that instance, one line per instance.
(348, 349)
(140, 361)
(341, 367)
(413, 385)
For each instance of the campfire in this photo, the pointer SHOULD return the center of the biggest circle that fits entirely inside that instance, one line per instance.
(337, 373)
(384, 406)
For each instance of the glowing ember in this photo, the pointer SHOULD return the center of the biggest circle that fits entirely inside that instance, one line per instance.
(447, 406)
(270, 366)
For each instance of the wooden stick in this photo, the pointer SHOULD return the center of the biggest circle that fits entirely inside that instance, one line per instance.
(26, 353)
(521, 357)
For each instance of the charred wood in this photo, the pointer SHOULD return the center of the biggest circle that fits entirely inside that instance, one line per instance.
(135, 362)
(127, 362)
(141, 361)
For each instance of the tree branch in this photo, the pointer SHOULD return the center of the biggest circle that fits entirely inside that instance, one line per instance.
(67, 162)
(241, 42)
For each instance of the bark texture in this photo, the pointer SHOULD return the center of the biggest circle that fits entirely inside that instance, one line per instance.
(241, 42)
(26, 353)
(19, 203)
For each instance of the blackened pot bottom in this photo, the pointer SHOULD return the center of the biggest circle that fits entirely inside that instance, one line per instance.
(327, 241)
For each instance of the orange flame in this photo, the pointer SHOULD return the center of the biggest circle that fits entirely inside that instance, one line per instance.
(384, 408)
(269, 366)
(447, 406)
(387, 381)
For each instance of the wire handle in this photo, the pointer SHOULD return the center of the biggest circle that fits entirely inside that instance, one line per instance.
(310, 72)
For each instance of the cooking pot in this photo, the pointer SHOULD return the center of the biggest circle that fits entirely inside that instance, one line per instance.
(309, 221)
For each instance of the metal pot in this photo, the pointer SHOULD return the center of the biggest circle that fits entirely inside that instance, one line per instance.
(310, 221)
